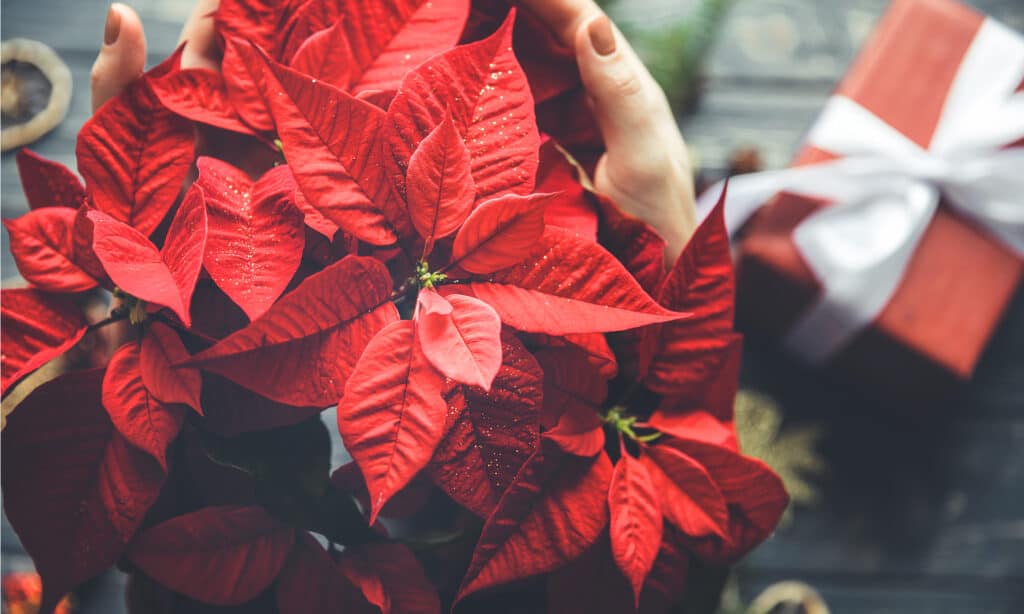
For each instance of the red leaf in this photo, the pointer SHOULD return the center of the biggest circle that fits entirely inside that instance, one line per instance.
(390, 578)
(553, 511)
(135, 155)
(311, 582)
(666, 584)
(392, 414)
(635, 520)
(640, 249)
(145, 422)
(36, 328)
(460, 336)
(500, 232)
(387, 40)
(303, 349)
(74, 490)
(256, 233)
(332, 143)
(439, 186)
(244, 83)
(47, 183)
(162, 348)
(42, 245)
(221, 555)
(699, 425)
(309, 18)
(755, 495)
(486, 92)
(685, 355)
(573, 394)
(690, 498)
(567, 286)
(575, 211)
(200, 95)
(494, 435)
(327, 56)
(255, 20)
(594, 346)
(166, 278)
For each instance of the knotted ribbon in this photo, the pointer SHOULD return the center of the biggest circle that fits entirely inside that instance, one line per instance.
(886, 188)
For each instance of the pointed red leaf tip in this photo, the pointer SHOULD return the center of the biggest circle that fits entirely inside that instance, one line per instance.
(569, 285)
(640, 249)
(145, 422)
(390, 39)
(245, 85)
(501, 232)
(439, 188)
(162, 348)
(311, 582)
(635, 520)
(166, 277)
(135, 154)
(392, 415)
(332, 142)
(690, 498)
(42, 244)
(486, 92)
(200, 95)
(223, 555)
(553, 511)
(684, 355)
(391, 578)
(35, 328)
(74, 490)
(327, 56)
(302, 351)
(256, 233)
(47, 183)
(755, 495)
(460, 336)
(494, 434)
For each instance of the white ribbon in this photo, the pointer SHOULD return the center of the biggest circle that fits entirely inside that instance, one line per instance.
(885, 189)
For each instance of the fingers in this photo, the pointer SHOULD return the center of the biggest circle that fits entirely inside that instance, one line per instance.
(201, 50)
(632, 112)
(123, 56)
(563, 16)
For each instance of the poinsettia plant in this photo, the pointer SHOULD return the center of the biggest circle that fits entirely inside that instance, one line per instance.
(361, 209)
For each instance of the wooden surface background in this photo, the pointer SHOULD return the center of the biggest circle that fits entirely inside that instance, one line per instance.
(920, 513)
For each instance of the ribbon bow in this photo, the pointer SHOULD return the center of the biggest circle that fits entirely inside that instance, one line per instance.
(886, 189)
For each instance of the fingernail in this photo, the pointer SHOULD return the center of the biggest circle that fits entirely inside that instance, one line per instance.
(113, 27)
(602, 38)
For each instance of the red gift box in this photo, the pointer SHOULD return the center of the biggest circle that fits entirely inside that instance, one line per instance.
(959, 280)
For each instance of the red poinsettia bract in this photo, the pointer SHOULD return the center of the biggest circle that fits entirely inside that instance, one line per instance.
(388, 231)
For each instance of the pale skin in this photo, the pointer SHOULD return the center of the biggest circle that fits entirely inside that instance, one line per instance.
(645, 171)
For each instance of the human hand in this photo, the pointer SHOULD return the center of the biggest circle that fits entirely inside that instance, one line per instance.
(646, 169)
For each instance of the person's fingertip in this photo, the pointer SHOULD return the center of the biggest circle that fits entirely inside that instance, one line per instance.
(112, 27)
(601, 35)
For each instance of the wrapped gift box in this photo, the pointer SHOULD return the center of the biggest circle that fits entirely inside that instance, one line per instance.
(959, 281)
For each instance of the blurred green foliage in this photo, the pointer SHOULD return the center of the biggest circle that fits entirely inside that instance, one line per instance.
(674, 52)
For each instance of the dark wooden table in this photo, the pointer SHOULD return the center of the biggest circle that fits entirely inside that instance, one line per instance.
(921, 513)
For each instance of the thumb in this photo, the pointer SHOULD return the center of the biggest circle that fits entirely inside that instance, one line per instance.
(630, 108)
(122, 58)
